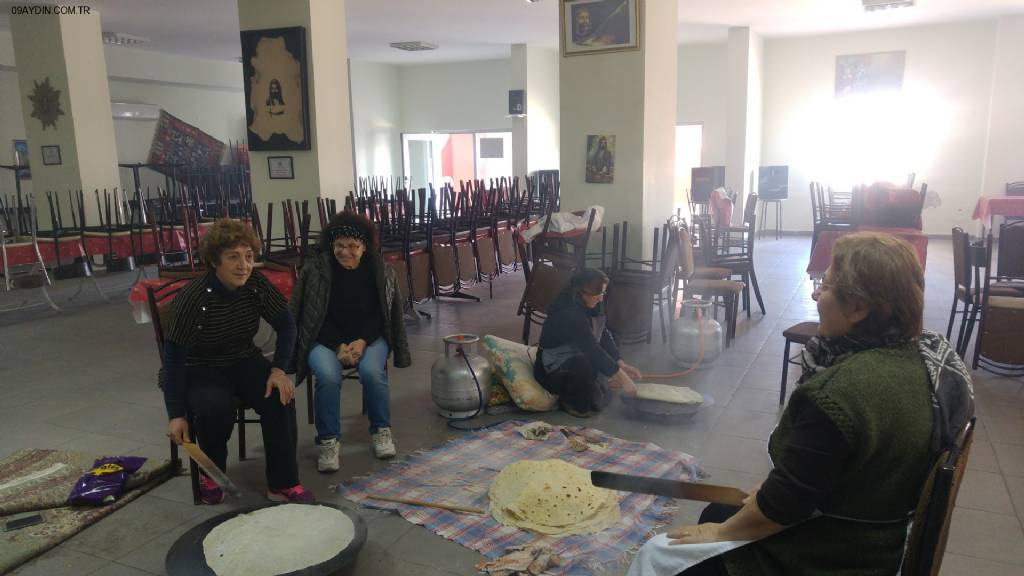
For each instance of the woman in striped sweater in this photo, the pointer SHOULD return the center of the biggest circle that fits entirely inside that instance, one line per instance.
(210, 360)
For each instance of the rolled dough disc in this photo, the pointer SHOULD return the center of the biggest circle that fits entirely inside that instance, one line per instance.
(671, 394)
(277, 540)
(551, 497)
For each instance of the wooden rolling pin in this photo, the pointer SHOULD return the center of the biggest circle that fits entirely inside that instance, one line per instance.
(449, 507)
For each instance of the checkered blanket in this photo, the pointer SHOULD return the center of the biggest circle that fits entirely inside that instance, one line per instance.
(460, 473)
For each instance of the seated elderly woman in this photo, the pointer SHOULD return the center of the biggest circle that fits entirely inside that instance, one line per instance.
(577, 358)
(210, 360)
(878, 401)
(349, 313)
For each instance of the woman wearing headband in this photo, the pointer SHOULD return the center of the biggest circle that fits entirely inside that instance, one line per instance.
(349, 314)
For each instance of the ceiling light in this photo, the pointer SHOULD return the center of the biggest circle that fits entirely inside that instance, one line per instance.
(122, 39)
(414, 46)
(870, 5)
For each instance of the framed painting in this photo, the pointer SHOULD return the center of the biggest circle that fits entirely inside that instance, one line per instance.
(21, 158)
(591, 26)
(600, 159)
(859, 73)
(51, 155)
(276, 90)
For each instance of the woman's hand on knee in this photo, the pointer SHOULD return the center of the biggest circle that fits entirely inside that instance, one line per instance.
(285, 388)
(177, 430)
(358, 347)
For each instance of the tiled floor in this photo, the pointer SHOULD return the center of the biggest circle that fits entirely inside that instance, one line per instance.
(85, 379)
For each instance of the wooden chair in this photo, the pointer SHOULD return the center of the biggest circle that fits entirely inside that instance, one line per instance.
(930, 528)
(999, 348)
(706, 286)
(800, 334)
(828, 214)
(159, 299)
(733, 248)
(546, 282)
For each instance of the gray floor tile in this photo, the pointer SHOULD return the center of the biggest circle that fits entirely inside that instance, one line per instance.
(958, 565)
(116, 569)
(60, 560)
(134, 525)
(1010, 456)
(985, 491)
(986, 535)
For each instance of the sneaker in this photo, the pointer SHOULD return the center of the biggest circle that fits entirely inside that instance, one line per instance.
(574, 412)
(330, 459)
(209, 492)
(383, 444)
(296, 494)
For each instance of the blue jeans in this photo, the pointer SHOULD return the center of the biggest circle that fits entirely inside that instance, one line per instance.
(327, 371)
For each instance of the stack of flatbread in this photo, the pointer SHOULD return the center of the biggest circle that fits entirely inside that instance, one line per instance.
(671, 394)
(551, 497)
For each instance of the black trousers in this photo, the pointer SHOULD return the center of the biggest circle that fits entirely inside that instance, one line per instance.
(212, 394)
(716, 513)
(576, 384)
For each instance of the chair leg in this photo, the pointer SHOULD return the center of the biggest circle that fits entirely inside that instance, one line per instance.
(241, 433)
(746, 293)
(971, 312)
(661, 321)
(785, 373)
(757, 290)
(526, 326)
(193, 471)
(952, 314)
(310, 413)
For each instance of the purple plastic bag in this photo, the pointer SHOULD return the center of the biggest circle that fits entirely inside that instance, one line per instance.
(105, 482)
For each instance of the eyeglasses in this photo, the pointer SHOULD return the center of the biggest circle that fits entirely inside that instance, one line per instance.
(601, 293)
(350, 247)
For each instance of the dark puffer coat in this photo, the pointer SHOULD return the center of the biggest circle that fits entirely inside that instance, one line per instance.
(309, 306)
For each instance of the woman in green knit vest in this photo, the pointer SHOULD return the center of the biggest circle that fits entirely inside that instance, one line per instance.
(878, 400)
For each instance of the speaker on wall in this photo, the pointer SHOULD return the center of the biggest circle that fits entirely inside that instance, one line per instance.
(773, 182)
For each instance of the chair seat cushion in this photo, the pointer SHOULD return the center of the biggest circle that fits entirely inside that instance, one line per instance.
(711, 273)
(801, 333)
(1006, 302)
(713, 287)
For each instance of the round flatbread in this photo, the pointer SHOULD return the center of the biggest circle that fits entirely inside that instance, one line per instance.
(277, 540)
(551, 497)
(671, 394)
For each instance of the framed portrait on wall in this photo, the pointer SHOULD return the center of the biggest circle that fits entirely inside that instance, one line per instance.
(591, 26)
(51, 155)
(276, 90)
(859, 73)
(280, 168)
(600, 159)
(21, 158)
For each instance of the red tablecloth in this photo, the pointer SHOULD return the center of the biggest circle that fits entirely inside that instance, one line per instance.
(887, 207)
(986, 207)
(282, 280)
(22, 253)
(821, 256)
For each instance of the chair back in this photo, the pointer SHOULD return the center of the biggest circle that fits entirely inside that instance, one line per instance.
(1010, 262)
(159, 299)
(687, 264)
(930, 529)
(1015, 188)
(961, 258)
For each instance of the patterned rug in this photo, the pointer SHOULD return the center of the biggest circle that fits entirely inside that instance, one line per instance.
(461, 471)
(40, 481)
(177, 142)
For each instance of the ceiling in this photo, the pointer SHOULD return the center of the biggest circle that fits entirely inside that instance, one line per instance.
(484, 29)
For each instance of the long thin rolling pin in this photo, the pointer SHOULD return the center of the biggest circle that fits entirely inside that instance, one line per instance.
(450, 507)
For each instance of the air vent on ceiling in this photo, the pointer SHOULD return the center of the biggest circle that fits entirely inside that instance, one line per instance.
(870, 5)
(414, 46)
(122, 39)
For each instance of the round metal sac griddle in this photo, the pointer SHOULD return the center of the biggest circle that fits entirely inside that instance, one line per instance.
(186, 556)
(656, 409)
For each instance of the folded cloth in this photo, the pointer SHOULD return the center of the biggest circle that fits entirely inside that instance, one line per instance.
(659, 558)
(536, 430)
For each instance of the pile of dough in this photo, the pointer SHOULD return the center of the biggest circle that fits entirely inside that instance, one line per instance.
(670, 394)
(277, 540)
(551, 497)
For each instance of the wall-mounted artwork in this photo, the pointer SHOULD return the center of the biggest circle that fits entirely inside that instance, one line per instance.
(51, 155)
(45, 103)
(274, 67)
(21, 158)
(600, 159)
(858, 73)
(178, 142)
(590, 26)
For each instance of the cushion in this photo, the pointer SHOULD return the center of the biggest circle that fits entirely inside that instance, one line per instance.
(512, 366)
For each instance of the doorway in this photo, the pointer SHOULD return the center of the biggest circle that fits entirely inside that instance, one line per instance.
(689, 145)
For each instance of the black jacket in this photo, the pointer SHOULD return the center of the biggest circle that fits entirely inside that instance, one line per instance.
(309, 306)
(569, 321)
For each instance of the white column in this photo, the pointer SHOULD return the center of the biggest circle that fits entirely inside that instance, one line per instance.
(743, 124)
(535, 138)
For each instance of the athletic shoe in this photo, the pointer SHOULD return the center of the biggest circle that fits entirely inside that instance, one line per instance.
(209, 492)
(383, 444)
(330, 457)
(296, 494)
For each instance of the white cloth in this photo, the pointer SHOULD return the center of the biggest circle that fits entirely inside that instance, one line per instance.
(562, 222)
(659, 558)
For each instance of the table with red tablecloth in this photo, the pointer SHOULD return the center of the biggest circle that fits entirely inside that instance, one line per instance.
(821, 256)
(137, 298)
(988, 207)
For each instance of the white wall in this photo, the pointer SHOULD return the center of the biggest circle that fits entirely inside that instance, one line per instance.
(377, 117)
(455, 97)
(936, 127)
(1005, 151)
(542, 108)
(703, 85)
